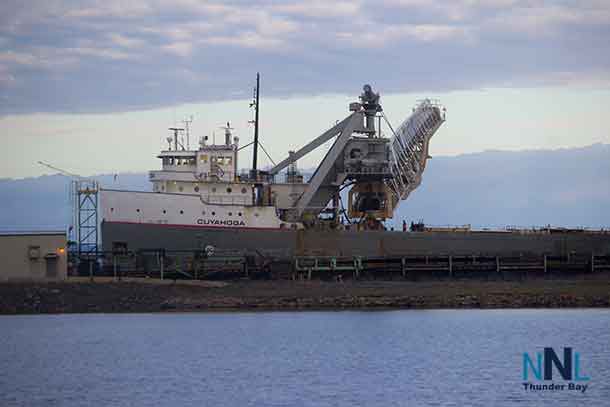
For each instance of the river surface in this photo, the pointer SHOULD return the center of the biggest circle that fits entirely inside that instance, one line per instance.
(351, 358)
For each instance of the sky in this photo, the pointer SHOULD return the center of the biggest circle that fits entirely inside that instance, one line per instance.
(92, 86)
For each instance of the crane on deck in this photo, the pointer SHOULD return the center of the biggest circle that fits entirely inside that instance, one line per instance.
(380, 171)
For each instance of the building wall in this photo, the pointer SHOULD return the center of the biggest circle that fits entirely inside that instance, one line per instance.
(35, 256)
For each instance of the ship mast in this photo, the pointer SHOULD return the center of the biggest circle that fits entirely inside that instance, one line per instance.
(255, 104)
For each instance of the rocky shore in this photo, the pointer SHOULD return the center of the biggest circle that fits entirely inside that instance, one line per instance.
(103, 295)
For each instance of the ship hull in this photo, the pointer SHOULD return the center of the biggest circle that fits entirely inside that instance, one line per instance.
(182, 237)
(289, 243)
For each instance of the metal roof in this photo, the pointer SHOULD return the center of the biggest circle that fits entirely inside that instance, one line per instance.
(32, 232)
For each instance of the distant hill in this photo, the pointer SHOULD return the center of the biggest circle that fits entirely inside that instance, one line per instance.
(568, 187)
(43, 203)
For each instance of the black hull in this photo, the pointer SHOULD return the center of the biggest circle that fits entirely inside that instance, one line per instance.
(288, 243)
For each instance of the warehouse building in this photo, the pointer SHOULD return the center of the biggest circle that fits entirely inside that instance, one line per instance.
(33, 256)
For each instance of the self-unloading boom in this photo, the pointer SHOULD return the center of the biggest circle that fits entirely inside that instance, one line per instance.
(409, 147)
(381, 171)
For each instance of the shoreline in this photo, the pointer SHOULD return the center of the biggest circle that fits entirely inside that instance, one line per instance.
(79, 295)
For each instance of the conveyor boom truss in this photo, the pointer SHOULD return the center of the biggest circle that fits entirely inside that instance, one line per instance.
(409, 147)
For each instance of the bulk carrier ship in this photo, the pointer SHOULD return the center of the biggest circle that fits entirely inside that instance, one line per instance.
(200, 200)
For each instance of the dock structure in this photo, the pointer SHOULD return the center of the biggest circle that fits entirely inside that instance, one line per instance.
(199, 265)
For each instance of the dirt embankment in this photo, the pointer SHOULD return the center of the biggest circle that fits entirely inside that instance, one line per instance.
(80, 295)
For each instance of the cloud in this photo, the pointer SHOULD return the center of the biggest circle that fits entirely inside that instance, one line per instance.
(589, 79)
(301, 46)
(126, 42)
(182, 49)
(111, 8)
(37, 58)
(320, 9)
(180, 32)
(382, 37)
(249, 39)
(6, 78)
(546, 19)
(104, 53)
(20, 58)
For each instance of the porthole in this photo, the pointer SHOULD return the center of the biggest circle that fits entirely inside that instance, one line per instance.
(230, 213)
(229, 190)
(164, 211)
(196, 189)
(181, 212)
(213, 213)
(180, 188)
(137, 210)
(111, 209)
(256, 214)
(243, 190)
(203, 213)
(239, 214)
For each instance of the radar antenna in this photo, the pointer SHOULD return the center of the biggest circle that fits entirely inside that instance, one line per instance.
(187, 126)
(227, 128)
(177, 130)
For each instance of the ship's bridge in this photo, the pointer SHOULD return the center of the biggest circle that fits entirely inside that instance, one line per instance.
(184, 170)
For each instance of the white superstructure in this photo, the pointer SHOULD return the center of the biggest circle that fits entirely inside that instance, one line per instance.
(201, 188)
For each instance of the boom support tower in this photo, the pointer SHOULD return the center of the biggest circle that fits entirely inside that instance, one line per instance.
(381, 171)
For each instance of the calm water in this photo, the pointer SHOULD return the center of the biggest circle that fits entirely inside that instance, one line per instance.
(394, 358)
